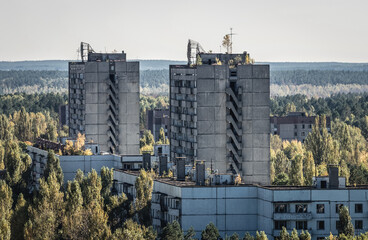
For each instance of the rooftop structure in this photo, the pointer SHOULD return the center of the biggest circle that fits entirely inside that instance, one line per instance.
(219, 110)
(104, 100)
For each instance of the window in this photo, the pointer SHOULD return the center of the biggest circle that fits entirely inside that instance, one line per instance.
(301, 225)
(323, 184)
(295, 126)
(303, 126)
(301, 208)
(358, 224)
(303, 134)
(310, 126)
(358, 208)
(338, 206)
(320, 208)
(295, 134)
(320, 225)
(280, 224)
(280, 208)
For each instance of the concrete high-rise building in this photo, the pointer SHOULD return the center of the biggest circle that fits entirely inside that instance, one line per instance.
(104, 100)
(220, 113)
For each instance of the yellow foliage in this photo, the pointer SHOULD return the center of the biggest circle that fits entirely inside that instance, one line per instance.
(237, 180)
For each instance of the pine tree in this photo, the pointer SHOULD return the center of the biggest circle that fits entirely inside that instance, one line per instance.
(210, 233)
(144, 187)
(294, 235)
(190, 234)
(346, 227)
(284, 235)
(19, 219)
(172, 231)
(305, 235)
(247, 236)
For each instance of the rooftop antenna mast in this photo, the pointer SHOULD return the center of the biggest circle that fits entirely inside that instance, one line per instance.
(231, 39)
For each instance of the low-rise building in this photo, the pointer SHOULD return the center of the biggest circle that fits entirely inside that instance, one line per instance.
(249, 208)
(157, 119)
(294, 126)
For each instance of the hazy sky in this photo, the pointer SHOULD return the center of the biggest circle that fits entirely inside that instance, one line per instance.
(270, 30)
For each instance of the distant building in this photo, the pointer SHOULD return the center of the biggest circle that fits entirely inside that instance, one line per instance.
(220, 113)
(294, 126)
(157, 119)
(104, 100)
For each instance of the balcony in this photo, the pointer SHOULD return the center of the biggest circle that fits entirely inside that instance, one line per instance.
(292, 216)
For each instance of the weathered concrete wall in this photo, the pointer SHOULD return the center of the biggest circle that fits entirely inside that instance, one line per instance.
(211, 110)
(255, 83)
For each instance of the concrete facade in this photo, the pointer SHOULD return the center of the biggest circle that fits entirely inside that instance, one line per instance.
(294, 126)
(251, 208)
(157, 119)
(220, 114)
(104, 102)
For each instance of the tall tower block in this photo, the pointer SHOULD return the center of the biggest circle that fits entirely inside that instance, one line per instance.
(104, 101)
(220, 113)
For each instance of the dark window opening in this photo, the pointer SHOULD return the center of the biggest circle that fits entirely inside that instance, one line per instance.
(320, 208)
(358, 224)
(323, 184)
(280, 208)
(358, 208)
(280, 224)
(301, 208)
(301, 225)
(320, 225)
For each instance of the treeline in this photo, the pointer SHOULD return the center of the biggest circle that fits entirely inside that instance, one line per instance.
(33, 81)
(25, 126)
(318, 77)
(350, 108)
(294, 163)
(37, 102)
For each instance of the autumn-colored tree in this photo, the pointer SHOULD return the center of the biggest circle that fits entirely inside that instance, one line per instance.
(296, 173)
(261, 236)
(284, 234)
(144, 187)
(226, 42)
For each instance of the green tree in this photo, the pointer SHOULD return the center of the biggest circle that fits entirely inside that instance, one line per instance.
(309, 168)
(210, 232)
(305, 235)
(247, 236)
(45, 217)
(281, 179)
(53, 165)
(190, 234)
(19, 219)
(294, 235)
(6, 202)
(144, 187)
(261, 235)
(235, 236)
(284, 234)
(346, 227)
(6, 128)
(172, 231)
(134, 231)
(106, 181)
(296, 173)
